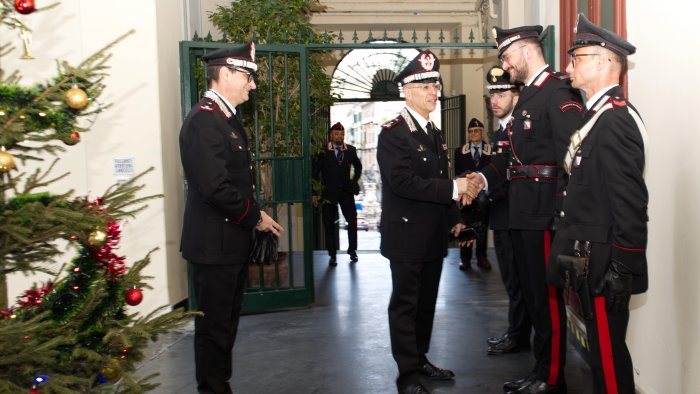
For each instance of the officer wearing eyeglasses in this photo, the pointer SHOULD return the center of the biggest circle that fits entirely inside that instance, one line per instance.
(544, 118)
(606, 200)
(418, 212)
(220, 211)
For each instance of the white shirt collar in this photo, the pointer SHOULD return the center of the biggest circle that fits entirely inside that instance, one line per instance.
(228, 104)
(421, 120)
(504, 120)
(598, 95)
(537, 74)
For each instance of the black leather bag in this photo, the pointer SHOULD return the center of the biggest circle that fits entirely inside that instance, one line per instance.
(573, 270)
(264, 248)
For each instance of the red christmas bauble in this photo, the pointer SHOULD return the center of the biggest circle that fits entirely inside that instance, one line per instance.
(34, 390)
(133, 297)
(25, 7)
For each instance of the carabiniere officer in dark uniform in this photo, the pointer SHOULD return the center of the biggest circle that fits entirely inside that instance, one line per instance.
(418, 212)
(544, 118)
(503, 95)
(220, 211)
(606, 201)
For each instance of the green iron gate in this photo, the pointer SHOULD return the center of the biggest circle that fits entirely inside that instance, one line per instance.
(280, 130)
(276, 117)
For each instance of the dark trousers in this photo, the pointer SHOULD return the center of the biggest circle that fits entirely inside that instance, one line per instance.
(218, 290)
(610, 360)
(519, 325)
(330, 218)
(411, 312)
(465, 252)
(544, 303)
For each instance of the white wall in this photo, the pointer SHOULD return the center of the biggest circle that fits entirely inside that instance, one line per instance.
(143, 87)
(665, 321)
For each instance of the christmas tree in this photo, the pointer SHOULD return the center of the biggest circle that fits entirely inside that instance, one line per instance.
(73, 333)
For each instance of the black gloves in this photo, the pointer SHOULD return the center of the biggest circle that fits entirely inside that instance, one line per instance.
(617, 287)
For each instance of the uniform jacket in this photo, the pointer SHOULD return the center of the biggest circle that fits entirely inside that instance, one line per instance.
(465, 162)
(498, 196)
(336, 176)
(546, 114)
(606, 196)
(220, 208)
(417, 207)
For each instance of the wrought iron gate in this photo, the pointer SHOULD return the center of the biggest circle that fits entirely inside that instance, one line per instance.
(277, 119)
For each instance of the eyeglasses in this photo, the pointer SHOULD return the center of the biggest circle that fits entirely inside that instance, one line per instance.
(250, 75)
(504, 58)
(426, 87)
(573, 56)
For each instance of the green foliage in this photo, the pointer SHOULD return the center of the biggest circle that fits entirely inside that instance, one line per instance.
(76, 331)
(276, 104)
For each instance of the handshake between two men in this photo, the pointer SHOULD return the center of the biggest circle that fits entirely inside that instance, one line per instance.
(468, 188)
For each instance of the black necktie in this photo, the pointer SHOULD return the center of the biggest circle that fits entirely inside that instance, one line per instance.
(477, 155)
(339, 154)
(431, 132)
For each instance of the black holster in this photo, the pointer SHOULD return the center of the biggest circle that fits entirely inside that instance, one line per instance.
(573, 270)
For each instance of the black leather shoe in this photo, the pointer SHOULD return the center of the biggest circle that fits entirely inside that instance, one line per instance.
(484, 264)
(415, 388)
(496, 340)
(434, 373)
(332, 261)
(540, 387)
(465, 266)
(353, 256)
(513, 385)
(504, 347)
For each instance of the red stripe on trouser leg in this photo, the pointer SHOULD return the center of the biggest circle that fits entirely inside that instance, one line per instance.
(554, 317)
(606, 355)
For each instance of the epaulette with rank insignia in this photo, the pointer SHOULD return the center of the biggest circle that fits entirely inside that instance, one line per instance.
(206, 105)
(618, 101)
(560, 75)
(392, 123)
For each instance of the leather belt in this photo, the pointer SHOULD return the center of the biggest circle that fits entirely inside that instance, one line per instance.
(532, 171)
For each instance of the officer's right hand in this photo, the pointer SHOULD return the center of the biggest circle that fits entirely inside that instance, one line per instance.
(268, 224)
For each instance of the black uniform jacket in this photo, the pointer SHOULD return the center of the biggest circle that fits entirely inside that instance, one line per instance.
(546, 114)
(220, 209)
(417, 207)
(606, 196)
(498, 196)
(465, 162)
(336, 176)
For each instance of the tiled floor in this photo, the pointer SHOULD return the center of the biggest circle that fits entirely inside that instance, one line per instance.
(341, 344)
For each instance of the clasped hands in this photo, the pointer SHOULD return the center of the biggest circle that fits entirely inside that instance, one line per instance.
(469, 186)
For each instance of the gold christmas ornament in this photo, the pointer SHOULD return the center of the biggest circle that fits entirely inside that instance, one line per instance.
(97, 238)
(76, 98)
(7, 162)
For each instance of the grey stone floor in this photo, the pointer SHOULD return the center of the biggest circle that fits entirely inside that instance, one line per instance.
(341, 345)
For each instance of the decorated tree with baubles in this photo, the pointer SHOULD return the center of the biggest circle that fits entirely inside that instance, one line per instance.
(73, 333)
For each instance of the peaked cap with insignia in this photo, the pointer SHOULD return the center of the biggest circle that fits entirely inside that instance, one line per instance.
(242, 56)
(336, 126)
(588, 34)
(474, 123)
(498, 80)
(505, 37)
(423, 68)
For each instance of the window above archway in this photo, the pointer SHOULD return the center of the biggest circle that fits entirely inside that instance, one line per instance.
(368, 74)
